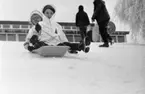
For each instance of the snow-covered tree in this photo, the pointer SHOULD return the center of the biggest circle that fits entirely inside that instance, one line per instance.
(132, 12)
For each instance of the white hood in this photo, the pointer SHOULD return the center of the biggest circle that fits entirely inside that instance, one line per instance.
(32, 31)
(50, 28)
(35, 12)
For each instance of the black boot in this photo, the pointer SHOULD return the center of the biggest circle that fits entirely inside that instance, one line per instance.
(87, 44)
(73, 52)
(104, 45)
(87, 49)
(83, 45)
(31, 48)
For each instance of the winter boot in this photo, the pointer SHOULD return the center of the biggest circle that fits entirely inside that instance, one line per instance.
(84, 45)
(73, 52)
(104, 45)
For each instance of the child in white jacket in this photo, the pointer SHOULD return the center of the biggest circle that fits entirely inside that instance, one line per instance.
(51, 34)
(35, 17)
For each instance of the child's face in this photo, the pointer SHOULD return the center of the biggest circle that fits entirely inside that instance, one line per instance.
(35, 18)
(48, 13)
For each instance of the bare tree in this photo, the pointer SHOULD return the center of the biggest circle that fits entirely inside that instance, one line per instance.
(132, 12)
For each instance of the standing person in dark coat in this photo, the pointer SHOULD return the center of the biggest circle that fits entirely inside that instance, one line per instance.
(102, 16)
(82, 21)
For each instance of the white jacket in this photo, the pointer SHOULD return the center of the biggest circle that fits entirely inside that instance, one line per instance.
(32, 31)
(51, 32)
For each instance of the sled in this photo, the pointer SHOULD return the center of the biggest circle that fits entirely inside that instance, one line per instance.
(51, 51)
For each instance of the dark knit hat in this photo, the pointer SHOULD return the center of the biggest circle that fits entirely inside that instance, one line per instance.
(48, 7)
(81, 8)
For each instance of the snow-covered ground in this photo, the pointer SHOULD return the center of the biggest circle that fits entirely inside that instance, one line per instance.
(119, 69)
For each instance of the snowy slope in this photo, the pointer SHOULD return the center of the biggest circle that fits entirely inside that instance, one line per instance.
(119, 69)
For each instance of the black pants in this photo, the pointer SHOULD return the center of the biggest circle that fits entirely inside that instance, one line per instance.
(37, 44)
(103, 31)
(73, 46)
(83, 31)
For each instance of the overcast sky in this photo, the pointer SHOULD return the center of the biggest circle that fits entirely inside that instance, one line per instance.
(19, 10)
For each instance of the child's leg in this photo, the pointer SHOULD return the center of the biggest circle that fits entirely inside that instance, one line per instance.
(75, 46)
(34, 39)
(31, 48)
(40, 44)
(36, 43)
(80, 46)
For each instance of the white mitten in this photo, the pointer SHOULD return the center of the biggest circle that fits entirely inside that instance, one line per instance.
(26, 44)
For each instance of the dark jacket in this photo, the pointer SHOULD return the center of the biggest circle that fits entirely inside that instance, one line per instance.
(82, 18)
(100, 11)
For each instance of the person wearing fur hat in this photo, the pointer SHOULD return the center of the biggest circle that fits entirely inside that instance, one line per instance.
(102, 16)
(51, 34)
(35, 17)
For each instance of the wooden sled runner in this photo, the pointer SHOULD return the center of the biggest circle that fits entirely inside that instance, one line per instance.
(52, 51)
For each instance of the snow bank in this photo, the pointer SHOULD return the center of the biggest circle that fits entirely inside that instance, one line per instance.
(119, 69)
